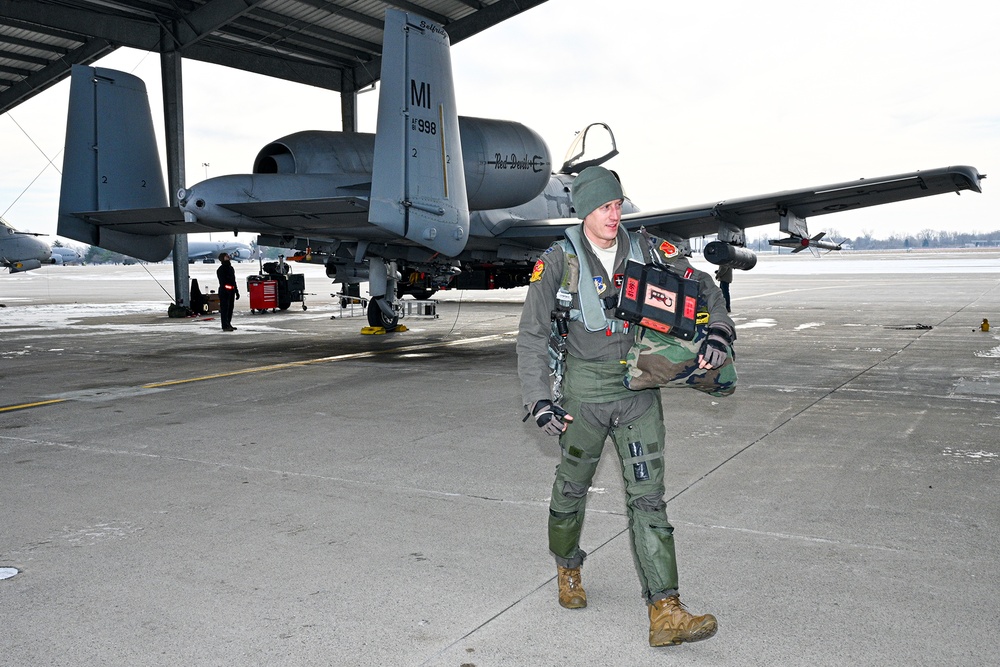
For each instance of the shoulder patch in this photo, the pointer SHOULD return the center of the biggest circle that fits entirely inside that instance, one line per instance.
(536, 273)
(668, 249)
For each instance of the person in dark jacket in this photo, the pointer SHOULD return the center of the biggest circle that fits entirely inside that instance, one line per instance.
(724, 274)
(229, 292)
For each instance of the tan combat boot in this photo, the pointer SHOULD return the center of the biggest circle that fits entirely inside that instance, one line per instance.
(571, 593)
(671, 623)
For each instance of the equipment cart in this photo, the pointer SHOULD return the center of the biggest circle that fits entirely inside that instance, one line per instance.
(263, 293)
(276, 288)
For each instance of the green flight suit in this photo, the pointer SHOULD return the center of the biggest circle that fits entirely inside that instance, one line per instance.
(601, 406)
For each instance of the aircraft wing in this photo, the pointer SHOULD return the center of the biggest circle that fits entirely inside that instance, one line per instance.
(805, 203)
(159, 221)
(767, 209)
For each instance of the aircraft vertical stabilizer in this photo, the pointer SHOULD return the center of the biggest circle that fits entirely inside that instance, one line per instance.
(418, 179)
(112, 158)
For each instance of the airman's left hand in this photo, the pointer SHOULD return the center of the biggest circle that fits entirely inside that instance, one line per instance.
(716, 347)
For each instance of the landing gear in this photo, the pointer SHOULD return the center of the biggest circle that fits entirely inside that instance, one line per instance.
(377, 317)
(382, 282)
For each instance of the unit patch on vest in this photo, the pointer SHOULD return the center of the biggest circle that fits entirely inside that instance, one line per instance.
(599, 284)
(619, 280)
(536, 273)
(668, 249)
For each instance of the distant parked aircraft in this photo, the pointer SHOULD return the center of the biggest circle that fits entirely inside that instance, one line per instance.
(208, 251)
(22, 251)
(65, 255)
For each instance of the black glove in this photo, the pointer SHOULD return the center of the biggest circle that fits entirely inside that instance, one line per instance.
(550, 417)
(237, 295)
(715, 349)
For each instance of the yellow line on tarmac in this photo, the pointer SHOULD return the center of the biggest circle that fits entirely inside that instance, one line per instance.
(278, 367)
(25, 406)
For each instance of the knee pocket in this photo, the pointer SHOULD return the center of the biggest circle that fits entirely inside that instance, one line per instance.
(574, 490)
(652, 502)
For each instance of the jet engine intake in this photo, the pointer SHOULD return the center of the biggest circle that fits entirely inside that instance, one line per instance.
(719, 252)
(318, 152)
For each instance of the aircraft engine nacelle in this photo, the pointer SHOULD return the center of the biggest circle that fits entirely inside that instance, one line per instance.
(318, 152)
(719, 252)
(506, 163)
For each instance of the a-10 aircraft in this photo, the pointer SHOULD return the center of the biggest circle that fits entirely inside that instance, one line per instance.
(431, 200)
(22, 251)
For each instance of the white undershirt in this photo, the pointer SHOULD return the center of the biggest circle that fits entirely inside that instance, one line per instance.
(607, 257)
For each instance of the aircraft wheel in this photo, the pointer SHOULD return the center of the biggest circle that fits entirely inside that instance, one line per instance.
(377, 318)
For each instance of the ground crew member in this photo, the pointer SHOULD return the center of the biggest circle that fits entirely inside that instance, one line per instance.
(724, 274)
(596, 404)
(229, 291)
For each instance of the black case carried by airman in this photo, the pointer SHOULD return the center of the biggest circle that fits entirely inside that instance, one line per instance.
(655, 297)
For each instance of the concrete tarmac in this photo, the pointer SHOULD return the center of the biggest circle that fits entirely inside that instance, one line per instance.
(296, 493)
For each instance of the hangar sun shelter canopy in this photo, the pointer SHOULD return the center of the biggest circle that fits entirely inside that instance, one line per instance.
(333, 44)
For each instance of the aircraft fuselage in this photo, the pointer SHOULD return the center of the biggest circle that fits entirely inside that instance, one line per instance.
(20, 251)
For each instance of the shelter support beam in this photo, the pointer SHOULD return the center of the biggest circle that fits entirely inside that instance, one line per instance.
(173, 116)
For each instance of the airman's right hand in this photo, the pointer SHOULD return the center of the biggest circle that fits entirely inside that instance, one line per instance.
(551, 418)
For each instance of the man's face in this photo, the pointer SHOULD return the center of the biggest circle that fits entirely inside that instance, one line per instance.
(601, 225)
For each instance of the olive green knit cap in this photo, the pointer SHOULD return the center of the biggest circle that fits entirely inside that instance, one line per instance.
(594, 187)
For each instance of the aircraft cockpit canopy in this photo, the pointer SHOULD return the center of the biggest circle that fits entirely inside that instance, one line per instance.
(601, 143)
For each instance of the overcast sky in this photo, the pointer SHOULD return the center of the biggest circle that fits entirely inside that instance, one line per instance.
(708, 101)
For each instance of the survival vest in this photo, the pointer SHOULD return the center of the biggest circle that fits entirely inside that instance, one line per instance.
(577, 271)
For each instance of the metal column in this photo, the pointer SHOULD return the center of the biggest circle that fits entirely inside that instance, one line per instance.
(173, 116)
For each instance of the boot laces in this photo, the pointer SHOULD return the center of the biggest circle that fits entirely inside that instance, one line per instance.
(571, 578)
(675, 602)
(678, 612)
